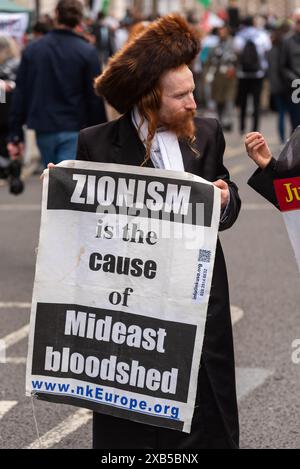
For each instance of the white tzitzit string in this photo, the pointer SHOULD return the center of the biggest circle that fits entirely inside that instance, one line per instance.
(35, 423)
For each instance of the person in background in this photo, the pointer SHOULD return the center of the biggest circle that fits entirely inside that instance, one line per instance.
(54, 89)
(85, 30)
(221, 65)
(103, 37)
(208, 44)
(290, 69)
(9, 63)
(43, 25)
(251, 44)
(277, 86)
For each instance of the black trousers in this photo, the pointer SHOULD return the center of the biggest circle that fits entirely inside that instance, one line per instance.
(250, 87)
(3, 141)
(294, 111)
(208, 429)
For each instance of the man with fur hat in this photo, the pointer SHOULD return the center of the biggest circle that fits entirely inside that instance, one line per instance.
(149, 82)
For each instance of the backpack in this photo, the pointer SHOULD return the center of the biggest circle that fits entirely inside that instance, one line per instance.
(249, 59)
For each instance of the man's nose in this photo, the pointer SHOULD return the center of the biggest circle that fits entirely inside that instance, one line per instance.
(190, 104)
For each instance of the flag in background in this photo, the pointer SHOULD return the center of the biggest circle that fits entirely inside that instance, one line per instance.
(205, 3)
(100, 5)
(105, 6)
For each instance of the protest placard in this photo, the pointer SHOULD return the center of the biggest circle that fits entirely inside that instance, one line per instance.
(13, 24)
(122, 284)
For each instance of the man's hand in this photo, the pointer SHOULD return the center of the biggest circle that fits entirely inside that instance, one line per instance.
(15, 150)
(258, 150)
(49, 166)
(224, 192)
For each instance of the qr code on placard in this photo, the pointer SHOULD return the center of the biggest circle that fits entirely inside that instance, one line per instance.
(204, 255)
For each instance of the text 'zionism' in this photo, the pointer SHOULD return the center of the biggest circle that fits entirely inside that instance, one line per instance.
(127, 194)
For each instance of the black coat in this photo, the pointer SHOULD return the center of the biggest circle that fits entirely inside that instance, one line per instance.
(54, 86)
(262, 181)
(290, 60)
(215, 421)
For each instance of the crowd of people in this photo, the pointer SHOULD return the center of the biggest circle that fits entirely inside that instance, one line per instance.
(259, 59)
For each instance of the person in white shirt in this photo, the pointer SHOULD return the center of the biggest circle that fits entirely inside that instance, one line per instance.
(251, 44)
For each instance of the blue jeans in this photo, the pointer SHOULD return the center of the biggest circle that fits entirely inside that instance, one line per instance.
(57, 146)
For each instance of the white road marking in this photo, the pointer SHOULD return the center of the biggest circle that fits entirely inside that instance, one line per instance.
(233, 152)
(248, 379)
(13, 208)
(2, 352)
(236, 314)
(5, 407)
(14, 304)
(239, 168)
(258, 207)
(65, 428)
(15, 337)
(15, 360)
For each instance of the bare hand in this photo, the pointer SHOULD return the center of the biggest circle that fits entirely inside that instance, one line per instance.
(224, 191)
(15, 150)
(49, 166)
(258, 150)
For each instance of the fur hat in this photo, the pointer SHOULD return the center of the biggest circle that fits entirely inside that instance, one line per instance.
(135, 70)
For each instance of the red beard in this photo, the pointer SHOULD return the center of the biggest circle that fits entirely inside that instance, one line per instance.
(183, 125)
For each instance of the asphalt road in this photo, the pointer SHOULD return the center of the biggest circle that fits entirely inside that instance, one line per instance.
(264, 285)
